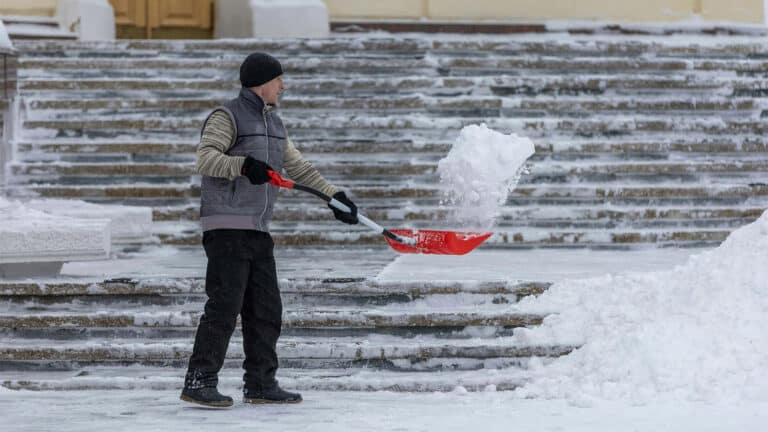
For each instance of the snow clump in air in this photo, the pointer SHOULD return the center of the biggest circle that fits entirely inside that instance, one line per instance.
(478, 173)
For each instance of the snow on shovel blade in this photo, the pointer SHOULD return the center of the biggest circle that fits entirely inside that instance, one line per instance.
(438, 242)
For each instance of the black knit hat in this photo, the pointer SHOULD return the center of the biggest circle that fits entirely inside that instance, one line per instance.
(259, 68)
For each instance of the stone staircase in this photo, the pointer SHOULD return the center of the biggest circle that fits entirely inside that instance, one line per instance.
(639, 140)
(343, 334)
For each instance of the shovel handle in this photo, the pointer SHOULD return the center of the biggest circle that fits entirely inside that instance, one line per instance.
(277, 180)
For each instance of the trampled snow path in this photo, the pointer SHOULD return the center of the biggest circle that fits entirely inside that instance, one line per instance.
(98, 411)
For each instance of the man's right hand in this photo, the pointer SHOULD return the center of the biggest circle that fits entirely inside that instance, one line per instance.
(255, 170)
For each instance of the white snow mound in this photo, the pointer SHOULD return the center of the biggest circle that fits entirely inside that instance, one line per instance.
(697, 332)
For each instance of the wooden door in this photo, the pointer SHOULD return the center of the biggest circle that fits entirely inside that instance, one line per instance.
(163, 19)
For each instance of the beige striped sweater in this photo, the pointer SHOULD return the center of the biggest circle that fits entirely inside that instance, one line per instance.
(213, 161)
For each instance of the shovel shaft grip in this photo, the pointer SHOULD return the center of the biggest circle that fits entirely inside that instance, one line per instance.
(277, 180)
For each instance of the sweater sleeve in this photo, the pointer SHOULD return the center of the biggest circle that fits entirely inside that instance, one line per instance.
(217, 137)
(301, 171)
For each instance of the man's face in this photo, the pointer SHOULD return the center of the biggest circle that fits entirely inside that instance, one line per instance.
(271, 91)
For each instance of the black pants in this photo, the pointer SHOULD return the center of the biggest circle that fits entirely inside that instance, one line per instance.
(240, 279)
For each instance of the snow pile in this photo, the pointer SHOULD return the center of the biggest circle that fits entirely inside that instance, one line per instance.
(28, 235)
(127, 223)
(697, 332)
(481, 169)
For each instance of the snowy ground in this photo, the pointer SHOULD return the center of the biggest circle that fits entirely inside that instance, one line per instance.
(321, 411)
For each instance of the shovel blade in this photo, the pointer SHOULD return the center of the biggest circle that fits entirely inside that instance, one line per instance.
(438, 242)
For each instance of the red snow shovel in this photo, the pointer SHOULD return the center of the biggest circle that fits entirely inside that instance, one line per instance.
(401, 240)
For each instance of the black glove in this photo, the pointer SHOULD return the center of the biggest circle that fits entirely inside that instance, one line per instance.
(255, 170)
(348, 218)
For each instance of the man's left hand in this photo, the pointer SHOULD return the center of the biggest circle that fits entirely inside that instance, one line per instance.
(348, 218)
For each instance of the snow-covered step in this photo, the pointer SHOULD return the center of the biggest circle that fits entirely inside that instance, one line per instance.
(506, 64)
(136, 171)
(394, 125)
(601, 46)
(340, 286)
(221, 66)
(513, 237)
(116, 378)
(218, 67)
(415, 170)
(406, 47)
(582, 106)
(291, 300)
(351, 318)
(345, 350)
(535, 45)
(123, 149)
(510, 216)
(597, 84)
(396, 103)
(429, 194)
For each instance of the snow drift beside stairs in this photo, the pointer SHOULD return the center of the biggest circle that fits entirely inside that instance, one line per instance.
(698, 332)
(481, 169)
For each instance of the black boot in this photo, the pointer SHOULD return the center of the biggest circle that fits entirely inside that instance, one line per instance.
(200, 388)
(273, 394)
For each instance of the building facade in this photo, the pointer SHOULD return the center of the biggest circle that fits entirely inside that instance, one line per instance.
(195, 18)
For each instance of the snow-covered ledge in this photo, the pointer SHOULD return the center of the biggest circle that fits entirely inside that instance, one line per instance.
(5, 40)
(271, 19)
(7, 91)
(128, 224)
(35, 243)
(90, 19)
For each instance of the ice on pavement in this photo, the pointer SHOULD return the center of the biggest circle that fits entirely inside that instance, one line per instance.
(480, 170)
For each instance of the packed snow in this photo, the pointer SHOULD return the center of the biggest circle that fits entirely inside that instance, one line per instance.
(480, 170)
(151, 410)
(30, 235)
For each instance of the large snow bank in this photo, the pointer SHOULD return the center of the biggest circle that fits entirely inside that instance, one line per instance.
(697, 332)
(481, 169)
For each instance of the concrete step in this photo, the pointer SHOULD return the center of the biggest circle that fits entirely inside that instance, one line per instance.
(398, 170)
(500, 64)
(293, 218)
(528, 236)
(317, 318)
(586, 84)
(221, 67)
(429, 194)
(136, 171)
(122, 378)
(288, 103)
(336, 125)
(509, 216)
(382, 352)
(577, 106)
(650, 147)
(344, 286)
(213, 48)
(725, 47)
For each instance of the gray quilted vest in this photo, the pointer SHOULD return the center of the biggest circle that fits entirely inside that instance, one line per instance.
(237, 204)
